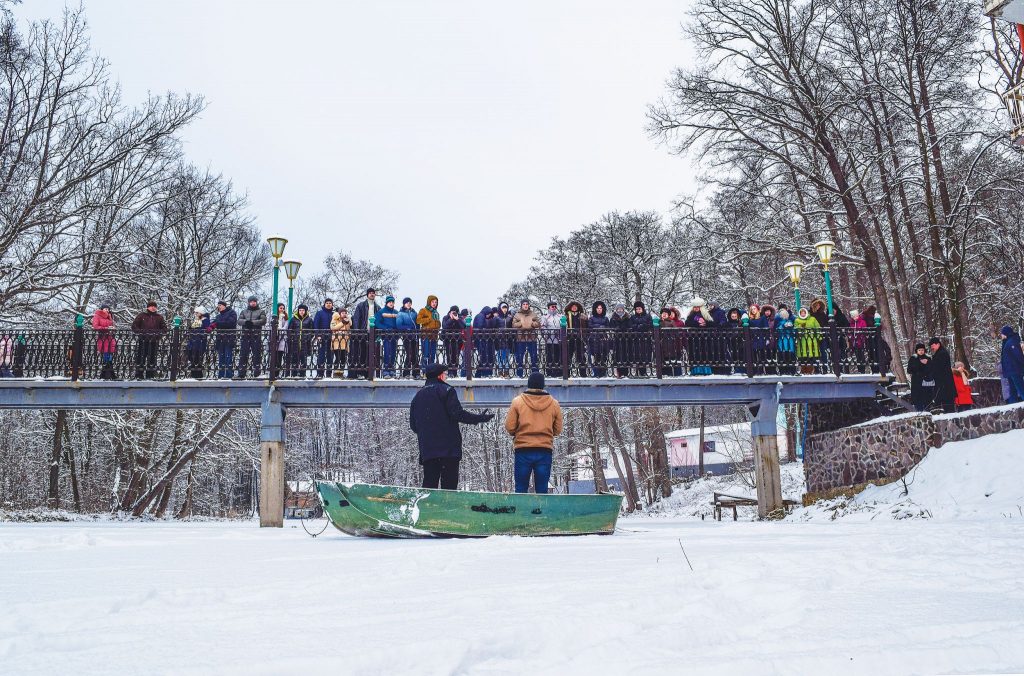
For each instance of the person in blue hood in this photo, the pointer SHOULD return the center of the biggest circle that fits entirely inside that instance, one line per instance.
(386, 321)
(483, 339)
(1011, 362)
(406, 323)
(322, 329)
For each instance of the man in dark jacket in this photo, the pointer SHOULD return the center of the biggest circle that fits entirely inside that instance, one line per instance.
(599, 340)
(942, 370)
(483, 340)
(322, 337)
(1011, 362)
(225, 326)
(150, 327)
(434, 416)
(641, 324)
(358, 347)
(252, 319)
(451, 334)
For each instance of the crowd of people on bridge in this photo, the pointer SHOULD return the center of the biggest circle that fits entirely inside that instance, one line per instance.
(505, 341)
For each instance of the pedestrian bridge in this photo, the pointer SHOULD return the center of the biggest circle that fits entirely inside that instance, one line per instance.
(759, 368)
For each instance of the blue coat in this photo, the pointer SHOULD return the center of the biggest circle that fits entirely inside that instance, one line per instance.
(406, 320)
(225, 327)
(1011, 360)
(197, 335)
(481, 321)
(382, 323)
(435, 415)
(786, 333)
(322, 319)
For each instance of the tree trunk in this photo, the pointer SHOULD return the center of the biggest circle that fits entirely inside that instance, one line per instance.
(56, 453)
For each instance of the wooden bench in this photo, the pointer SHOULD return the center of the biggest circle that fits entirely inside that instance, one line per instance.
(720, 500)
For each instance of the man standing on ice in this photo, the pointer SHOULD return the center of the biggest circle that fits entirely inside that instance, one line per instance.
(533, 420)
(434, 416)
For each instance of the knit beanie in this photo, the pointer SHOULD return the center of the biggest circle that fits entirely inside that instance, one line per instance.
(536, 381)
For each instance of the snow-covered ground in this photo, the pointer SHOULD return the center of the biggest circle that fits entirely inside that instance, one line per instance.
(808, 595)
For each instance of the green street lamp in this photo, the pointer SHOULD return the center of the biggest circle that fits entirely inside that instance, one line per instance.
(794, 269)
(825, 249)
(291, 271)
(276, 250)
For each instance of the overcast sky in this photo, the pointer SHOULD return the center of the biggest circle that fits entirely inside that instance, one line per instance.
(446, 140)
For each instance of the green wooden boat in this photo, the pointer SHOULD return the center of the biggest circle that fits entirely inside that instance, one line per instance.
(402, 512)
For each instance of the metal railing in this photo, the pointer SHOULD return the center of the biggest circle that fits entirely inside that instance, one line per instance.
(1013, 99)
(659, 352)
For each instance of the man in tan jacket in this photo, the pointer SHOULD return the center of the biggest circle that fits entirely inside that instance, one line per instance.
(533, 420)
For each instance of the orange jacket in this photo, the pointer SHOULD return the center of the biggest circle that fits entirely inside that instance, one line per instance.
(534, 420)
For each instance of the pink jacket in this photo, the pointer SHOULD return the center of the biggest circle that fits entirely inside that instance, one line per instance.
(859, 334)
(103, 322)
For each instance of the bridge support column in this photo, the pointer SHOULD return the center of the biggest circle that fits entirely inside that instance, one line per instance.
(766, 458)
(272, 463)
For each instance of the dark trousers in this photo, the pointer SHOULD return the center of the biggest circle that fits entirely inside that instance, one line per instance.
(145, 358)
(553, 360)
(339, 362)
(441, 473)
(324, 357)
(524, 349)
(252, 351)
(411, 357)
(534, 462)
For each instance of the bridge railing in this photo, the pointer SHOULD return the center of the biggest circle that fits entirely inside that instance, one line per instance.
(658, 352)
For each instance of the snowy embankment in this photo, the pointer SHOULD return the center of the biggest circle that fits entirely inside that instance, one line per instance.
(693, 499)
(976, 479)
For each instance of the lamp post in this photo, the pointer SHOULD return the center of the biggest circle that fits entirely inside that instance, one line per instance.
(276, 250)
(794, 269)
(825, 249)
(291, 271)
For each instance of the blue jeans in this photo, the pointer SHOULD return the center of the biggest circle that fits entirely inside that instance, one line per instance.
(428, 352)
(225, 355)
(522, 348)
(536, 462)
(390, 350)
(1016, 389)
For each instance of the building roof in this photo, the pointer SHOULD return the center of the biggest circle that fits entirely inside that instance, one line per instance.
(709, 429)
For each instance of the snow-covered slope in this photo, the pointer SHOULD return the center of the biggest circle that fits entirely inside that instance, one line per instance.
(977, 479)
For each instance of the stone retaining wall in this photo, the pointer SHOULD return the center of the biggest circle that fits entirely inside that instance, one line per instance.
(884, 451)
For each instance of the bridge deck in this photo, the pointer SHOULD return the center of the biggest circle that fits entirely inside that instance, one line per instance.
(478, 393)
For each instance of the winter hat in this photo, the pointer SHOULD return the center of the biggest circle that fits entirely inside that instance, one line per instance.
(464, 312)
(371, 290)
(406, 300)
(524, 300)
(253, 298)
(503, 305)
(453, 308)
(389, 299)
(150, 303)
(919, 346)
(552, 304)
(536, 381)
(104, 306)
(222, 302)
(302, 306)
(200, 310)
(620, 308)
(639, 304)
(328, 300)
(934, 340)
(783, 313)
(434, 371)
(697, 301)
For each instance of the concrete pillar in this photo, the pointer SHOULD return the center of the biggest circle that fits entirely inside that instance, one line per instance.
(766, 458)
(272, 463)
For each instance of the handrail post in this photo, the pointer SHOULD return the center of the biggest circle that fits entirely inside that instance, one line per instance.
(748, 347)
(371, 351)
(878, 345)
(833, 341)
(272, 365)
(659, 356)
(563, 341)
(467, 350)
(175, 349)
(77, 343)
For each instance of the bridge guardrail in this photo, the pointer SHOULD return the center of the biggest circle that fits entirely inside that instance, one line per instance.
(657, 352)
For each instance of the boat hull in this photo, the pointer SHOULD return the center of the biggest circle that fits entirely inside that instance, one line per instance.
(396, 511)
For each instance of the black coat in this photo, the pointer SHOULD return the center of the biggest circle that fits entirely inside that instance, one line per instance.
(942, 370)
(435, 415)
(920, 371)
(362, 314)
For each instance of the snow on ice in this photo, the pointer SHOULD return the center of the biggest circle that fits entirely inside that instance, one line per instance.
(828, 591)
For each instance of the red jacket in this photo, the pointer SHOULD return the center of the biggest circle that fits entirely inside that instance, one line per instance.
(963, 390)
